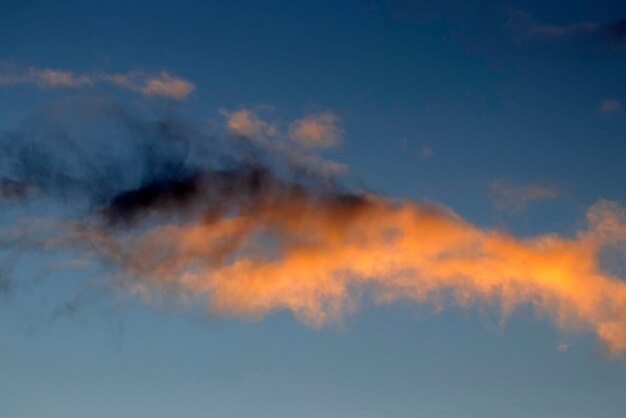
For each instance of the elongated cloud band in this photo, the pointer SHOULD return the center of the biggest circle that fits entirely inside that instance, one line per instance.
(163, 84)
(250, 237)
(284, 249)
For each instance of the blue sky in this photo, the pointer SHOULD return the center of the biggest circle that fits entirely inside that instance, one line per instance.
(509, 113)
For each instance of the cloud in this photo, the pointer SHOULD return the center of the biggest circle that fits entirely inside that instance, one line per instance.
(246, 123)
(13, 190)
(564, 30)
(56, 78)
(610, 106)
(167, 85)
(525, 29)
(309, 252)
(163, 84)
(319, 130)
(247, 235)
(425, 151)
(45, 77)
(515, 198)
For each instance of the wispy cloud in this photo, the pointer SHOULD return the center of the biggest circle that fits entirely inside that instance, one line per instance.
(610, 106)
(515, 198)
(318, 130)
(298, 144)
(162, 84)
(44, 77)
(525, 29)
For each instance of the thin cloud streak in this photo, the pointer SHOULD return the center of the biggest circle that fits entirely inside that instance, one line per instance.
(525, 28)
(163, 84)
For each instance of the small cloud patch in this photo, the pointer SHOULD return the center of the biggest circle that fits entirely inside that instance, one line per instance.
(515, 198)
(319, 130)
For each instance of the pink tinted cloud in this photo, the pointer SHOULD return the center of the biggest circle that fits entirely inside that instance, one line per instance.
(319, 130)
(163, 84)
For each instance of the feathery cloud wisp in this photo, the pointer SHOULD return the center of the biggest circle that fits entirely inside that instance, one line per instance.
(246, 123)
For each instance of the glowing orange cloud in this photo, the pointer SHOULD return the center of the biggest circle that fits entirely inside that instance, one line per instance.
(312, 255)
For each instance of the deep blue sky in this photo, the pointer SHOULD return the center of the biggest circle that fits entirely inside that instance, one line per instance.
(490, 101)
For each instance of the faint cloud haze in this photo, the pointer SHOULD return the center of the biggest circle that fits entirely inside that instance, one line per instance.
(423, 152)
(515, 198)
(11, 189)
(426, 151)
(525, 28)
(610, 106)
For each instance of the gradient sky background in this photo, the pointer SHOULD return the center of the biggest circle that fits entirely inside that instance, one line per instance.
(508, 112)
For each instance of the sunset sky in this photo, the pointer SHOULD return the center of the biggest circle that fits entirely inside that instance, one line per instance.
(359, 208)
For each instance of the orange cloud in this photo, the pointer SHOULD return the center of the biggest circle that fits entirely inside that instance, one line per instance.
(313, 255)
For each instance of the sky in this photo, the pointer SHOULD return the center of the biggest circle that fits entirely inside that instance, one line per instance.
(362, 208)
